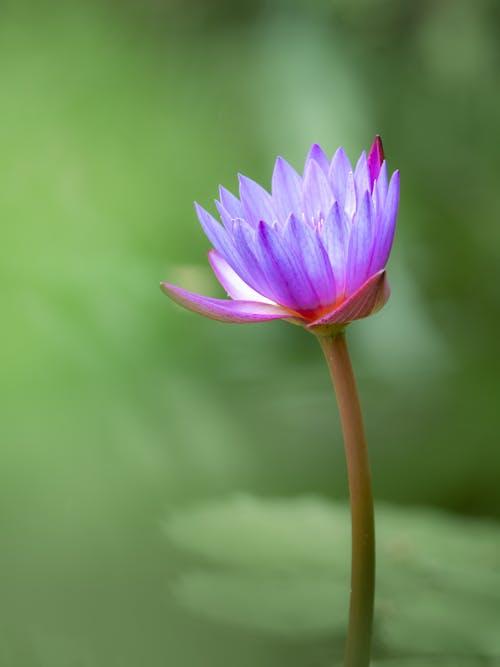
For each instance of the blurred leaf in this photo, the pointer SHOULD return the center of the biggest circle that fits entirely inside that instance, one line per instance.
(281, 566)
(273, 535)
(283, 605)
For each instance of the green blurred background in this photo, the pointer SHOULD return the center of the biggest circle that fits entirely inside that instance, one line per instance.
(167, 482)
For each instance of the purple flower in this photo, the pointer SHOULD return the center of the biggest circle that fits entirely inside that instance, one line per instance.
(312, 252)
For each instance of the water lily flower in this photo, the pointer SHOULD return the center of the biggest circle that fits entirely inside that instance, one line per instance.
(312, 252)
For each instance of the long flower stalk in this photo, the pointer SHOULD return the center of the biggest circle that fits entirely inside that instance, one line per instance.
(359, 634)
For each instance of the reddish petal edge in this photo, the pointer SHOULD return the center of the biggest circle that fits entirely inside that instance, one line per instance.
(224, 310)
(369, 298)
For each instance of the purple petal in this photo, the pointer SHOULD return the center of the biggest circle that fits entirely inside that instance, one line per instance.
(309, 253)
(250, 268)
(360, 246)
(285, 271)
(235, 252)
(362, 177)
(256, 202)
(380, 189)
(337, 176)
(223, 310)
(317, 154)
(318, 196)
(235, 287)
(375, 159)
(335, 236)
(287, 189)
(387, 226)
(231, 203)
(217, 236)
(225, 216)
(369, 298)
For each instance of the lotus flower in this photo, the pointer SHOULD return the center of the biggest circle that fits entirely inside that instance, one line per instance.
(312, 252)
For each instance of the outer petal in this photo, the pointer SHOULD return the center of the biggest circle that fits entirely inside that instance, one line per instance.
(335, 235)
(250, 268)
(308, 250)
(256, 202)
(225, 216)
(235, 287)
(217, 235)
(370, 297)
(231, 203)
(387, 226)
(226, 311)
(235, 252)
(285, 272)
(287, 189)
(361, 243)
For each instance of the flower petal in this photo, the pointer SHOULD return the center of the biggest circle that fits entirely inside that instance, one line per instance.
(380, 189)
(387, 226)
(285, 271)
(318, 196)
(369, 298)
(317, 153)
(256, 202)
(286, 189)
(250, 268)
(362, 177)
(235, 287)
(233, 250)
(361, 243)
(375, 159)
(225, 216)
(340, 167)
(217, 236)
(307, 248)
(231, 203)
(335, 236)
(226, 310)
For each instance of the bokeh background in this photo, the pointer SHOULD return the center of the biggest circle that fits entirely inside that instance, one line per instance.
(172, 490)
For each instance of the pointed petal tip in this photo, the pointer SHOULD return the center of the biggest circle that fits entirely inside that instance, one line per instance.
(377, 147)
(375, 158)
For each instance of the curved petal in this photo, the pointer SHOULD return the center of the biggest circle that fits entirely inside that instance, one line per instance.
(224, 310)
(217, 235)
(362, 177)
(225, 216)
(235, 287)
(318, 196)
(308, 250)
(231, 203)
(256, 202)
(285, 271)
(375, 159)
(380, 189)
(286, 189)
(250, 268)
(340, 167)
(361, 244)
(367, 300)
(318, 154)
(335, 236)
(387, 226)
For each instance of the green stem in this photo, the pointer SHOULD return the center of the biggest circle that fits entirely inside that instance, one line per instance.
(360, 489)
